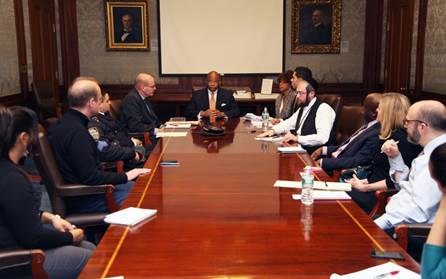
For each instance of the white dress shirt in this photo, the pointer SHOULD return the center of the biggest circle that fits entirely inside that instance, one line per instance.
(419, 196)
(325, 117)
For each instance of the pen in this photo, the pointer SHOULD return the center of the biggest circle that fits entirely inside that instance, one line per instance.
(384, 275)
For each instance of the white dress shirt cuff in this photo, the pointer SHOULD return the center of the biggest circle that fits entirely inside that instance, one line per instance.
(324, 150)
(397, 166)
(383, 223)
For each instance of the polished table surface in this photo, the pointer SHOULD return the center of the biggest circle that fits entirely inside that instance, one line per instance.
(219, 216)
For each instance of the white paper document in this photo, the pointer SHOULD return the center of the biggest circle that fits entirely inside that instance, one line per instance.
(242, 95)
(291, 149)
(253, 117)
(257, 124)
(388, 270)
(178, 126)
(270, 139)
(171, 134)
(261, 96)
(326, 195)
(267, 86)
(318, 185)
(129, 216)
(193, 122)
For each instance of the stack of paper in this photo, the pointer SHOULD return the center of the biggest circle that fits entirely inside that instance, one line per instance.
(388, 270)
(193, 123)
(129, 216)
(171, 134)
(291, 149)
(326, 195)
(319, 185)
(242, 95)
(253, 117)
(178, 126)
(260, 96)
(270, 139)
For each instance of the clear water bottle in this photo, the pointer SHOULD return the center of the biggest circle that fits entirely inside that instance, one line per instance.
(265, 119)
(307, 187)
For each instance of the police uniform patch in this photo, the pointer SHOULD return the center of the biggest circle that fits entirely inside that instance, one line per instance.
(94, 132)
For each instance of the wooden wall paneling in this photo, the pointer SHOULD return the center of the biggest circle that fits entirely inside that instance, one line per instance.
(21, 47)
(44, 42)
(69, 41)
(419, 66)
(372, 45)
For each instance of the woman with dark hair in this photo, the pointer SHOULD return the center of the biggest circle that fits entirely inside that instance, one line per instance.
(433, 262)
(304, 73)
(285, 102)
(22, 224)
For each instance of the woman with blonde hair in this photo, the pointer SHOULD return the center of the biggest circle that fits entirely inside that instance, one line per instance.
(392, 111)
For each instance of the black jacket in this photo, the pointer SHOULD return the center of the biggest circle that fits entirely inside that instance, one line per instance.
(20, 224)
(359, 152)
(137, 115)
(76, 152)
(200, 102)
(118, 146)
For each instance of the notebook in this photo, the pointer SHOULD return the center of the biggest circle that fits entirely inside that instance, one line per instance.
(129, 216)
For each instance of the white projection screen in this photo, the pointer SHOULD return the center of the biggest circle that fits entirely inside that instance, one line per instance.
(229, 36)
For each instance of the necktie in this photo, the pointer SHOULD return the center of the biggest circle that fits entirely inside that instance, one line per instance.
(347, 141)
(299, 117)
(212, 101)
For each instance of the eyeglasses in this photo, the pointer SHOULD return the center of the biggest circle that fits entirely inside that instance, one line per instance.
(407, 121)
(301, 92)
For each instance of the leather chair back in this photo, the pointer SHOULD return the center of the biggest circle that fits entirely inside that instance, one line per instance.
(334, 100)
(350, 119)
(115, 109)
(44, 93)
(57, 189)
(47, 166)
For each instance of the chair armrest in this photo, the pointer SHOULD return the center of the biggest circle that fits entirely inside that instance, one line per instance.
(405, 231)
(118, 166)
(381, 201)
(19, 257)
(142, 135)
(76, 190)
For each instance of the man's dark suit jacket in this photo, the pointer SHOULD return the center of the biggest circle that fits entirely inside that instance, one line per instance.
(137, 115)
(200, 102)
(359, 152)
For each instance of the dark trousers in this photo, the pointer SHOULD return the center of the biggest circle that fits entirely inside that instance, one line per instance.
(96, 203)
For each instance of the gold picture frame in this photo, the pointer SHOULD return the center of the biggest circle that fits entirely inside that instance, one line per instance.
(316, 26)
(126, 25)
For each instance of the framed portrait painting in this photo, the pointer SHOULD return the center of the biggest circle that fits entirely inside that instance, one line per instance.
(316, 26)
(126, 25)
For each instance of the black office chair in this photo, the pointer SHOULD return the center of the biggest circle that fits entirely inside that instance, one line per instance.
(350, 119)
(58, 190)
(22, 263)
(46, 103)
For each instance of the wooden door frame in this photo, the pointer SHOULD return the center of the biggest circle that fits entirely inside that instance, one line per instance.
(44, 54)
(391, 41)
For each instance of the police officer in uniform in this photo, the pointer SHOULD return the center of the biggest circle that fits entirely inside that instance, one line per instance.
(113, 142)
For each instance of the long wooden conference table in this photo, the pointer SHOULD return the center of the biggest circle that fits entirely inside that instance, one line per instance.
(219, 216)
